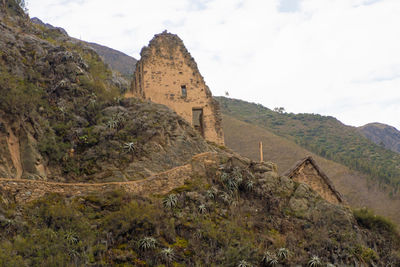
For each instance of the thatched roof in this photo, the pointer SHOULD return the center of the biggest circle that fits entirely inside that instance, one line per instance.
(290, 173)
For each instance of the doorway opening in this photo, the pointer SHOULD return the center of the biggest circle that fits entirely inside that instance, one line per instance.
(198, 122)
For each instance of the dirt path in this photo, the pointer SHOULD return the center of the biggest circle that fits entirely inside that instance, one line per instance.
(23, 190)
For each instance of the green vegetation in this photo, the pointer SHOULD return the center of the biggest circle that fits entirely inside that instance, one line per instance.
(114, 228)
(369, 220)
(324, 136)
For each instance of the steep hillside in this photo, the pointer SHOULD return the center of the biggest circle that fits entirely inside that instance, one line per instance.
(326, 137)
(117, 60)
(62, 116)
(383, 135)
(244, 137)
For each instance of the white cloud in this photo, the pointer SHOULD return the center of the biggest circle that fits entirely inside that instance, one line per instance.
(336, 57)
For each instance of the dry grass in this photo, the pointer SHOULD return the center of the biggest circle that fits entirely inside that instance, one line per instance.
(244, 137)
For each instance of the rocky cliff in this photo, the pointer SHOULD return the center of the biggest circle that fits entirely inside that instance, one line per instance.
(382, 134)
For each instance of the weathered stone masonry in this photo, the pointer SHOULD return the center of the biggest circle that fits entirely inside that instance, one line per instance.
(167, 74)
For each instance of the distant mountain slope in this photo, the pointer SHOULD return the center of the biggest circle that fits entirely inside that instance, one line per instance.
(243, 138)
(382, 134)
(117, 60)
(325, 136)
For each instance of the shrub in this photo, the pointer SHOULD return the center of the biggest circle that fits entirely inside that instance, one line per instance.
(368, 219)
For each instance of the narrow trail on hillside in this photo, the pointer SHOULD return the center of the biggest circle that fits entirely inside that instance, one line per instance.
(23, 190)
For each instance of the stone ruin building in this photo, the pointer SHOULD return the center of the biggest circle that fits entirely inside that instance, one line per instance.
(167, 74)
(308, 172)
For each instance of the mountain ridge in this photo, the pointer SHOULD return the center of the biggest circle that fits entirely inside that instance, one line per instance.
(382, 134)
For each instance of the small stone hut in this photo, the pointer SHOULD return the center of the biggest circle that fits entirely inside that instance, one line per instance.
(308, 172)
(167, 74)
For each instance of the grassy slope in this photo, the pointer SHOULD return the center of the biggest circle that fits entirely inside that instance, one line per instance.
(244, 137)
(325, 136)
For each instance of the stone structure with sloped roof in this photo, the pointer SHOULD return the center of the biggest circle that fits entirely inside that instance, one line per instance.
(308, 172)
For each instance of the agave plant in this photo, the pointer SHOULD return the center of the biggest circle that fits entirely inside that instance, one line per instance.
(244, 263)
(112, 124)
(273, 262)
(314, 261)
(231, 184)
(70, 237)
(283, 253)
(270, 259)
(237, 175)
(249, 185)
(211, 193)
(226, 198)
(147, 243)
(130, 146)
(167, 254)
(170, 201)
(202, 209)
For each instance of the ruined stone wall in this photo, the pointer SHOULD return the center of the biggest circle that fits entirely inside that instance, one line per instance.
(165, 67)
(307, 174)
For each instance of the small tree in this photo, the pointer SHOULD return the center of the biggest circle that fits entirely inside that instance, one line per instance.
(279, 110)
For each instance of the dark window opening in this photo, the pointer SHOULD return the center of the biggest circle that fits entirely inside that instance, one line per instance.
(198, 124)
(184, 92)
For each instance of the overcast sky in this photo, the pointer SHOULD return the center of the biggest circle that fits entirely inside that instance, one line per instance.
(332, 57)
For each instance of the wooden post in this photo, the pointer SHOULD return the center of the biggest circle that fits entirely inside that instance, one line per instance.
(261, 152)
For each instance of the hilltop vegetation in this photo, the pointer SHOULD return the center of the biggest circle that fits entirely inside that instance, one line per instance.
(325, 136)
